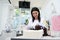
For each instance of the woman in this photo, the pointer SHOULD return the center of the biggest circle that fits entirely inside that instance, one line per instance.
(36, 23)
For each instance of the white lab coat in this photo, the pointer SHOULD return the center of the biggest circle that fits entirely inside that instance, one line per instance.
(36, 22)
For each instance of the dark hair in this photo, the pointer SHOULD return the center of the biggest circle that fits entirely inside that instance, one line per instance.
(35, 9)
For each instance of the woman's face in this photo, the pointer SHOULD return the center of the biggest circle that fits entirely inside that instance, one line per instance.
(35, 14)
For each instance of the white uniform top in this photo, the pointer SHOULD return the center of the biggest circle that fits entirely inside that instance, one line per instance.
(36, 22)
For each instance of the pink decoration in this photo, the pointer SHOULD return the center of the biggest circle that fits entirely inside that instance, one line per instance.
(56, 23)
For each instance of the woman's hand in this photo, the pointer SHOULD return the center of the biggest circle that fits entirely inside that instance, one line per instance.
(38, 27)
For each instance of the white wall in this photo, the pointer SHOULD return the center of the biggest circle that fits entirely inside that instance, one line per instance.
(0, 14)
(34, 3)
(4, 11)
(51, 9)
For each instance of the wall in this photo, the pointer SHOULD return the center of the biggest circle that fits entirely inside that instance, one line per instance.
(51, 9)
(35, 3)
(0, 13)
(4, 10)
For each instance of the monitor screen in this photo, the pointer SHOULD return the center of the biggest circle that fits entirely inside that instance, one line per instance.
(24, 4)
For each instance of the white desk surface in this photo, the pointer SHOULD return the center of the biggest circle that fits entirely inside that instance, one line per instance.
(45, 37)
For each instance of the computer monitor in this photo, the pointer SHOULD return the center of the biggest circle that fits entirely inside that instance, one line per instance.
(24, 4)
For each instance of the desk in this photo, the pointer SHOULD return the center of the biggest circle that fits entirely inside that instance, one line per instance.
(42, 38)
(27, 33)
